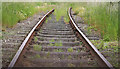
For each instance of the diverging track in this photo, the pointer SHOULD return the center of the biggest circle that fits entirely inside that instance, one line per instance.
(57, 44)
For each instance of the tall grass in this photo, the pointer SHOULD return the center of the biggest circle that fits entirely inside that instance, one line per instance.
(104, 17)
(13, 12)
(61, 10)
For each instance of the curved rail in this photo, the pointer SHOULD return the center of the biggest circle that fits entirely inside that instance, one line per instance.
(27, 40)
(99, 57)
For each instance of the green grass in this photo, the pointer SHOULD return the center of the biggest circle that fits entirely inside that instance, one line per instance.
(58, 50)
(104, 18)
(37, 47)
(37, 56)
(46, 21)
(35, 39)
(48, 54)
(70, 49)
(54, 44)
(12, 12)
(52, 40)
(51, 44)
(60, 44)
(101, 45)
(69, 57)
(78, 50)
(71, 65)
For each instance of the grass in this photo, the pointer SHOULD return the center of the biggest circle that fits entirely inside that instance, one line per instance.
(51, 44)
(13, 12)
(103, 17)
(35, 39)
(69, 57)
(60, 44)
(37, 47)
(54, 44)
(20, 11)
(101, 45)
(48, 54)
(71, 65)
(108, 47)
(58, 50)
(78, 50)
(37, 56)
(46, 21)
(70, 49)
(52, 40)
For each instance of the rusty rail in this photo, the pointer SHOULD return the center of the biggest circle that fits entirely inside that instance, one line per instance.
(102, 61)
(27, 40)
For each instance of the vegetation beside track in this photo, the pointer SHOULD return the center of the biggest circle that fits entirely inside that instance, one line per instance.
(13, 12)
(103, 17)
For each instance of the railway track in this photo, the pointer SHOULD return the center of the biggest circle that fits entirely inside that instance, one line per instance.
(57, 44)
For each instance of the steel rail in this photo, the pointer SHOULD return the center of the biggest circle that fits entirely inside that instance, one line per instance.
(27, 40)
(93, 50)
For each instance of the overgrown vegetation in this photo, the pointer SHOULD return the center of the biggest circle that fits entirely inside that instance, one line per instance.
(101, 45)
(108, 47)
(13, 12)
(103, 17)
